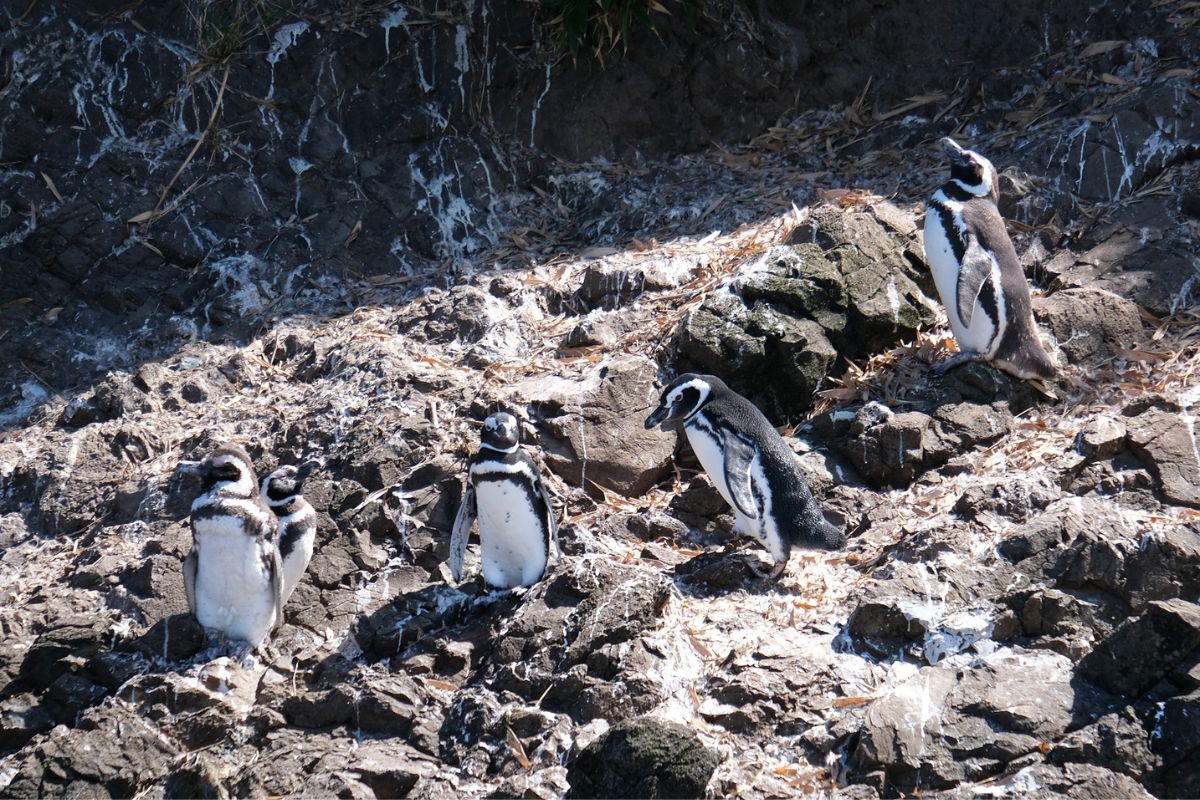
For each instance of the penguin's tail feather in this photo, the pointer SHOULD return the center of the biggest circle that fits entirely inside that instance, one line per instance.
(820, 533)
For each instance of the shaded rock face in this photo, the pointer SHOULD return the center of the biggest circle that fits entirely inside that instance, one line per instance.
(847, 287)
(643, 758)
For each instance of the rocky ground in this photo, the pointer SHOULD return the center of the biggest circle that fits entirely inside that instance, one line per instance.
(1016, 611)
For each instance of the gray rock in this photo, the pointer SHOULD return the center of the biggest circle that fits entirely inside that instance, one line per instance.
(1102, 437)
(945, 725)
(643, 758)
(1145, 649)
(1166, 442)
(594, 430)
(1090, 324)
(1116, 741)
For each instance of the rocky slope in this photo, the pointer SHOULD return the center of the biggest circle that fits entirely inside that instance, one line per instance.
(1016, 611)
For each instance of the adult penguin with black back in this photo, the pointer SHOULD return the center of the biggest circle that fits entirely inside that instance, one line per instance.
(749, 463)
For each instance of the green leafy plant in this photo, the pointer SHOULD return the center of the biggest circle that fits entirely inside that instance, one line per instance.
(602, 25)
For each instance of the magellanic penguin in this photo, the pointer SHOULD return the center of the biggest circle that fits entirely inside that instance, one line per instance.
(517, 526)
(297, 522)
(977, 273)
(749, 463)
(233, 575)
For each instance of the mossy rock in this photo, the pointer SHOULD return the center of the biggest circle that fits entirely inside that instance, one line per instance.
(644, 757)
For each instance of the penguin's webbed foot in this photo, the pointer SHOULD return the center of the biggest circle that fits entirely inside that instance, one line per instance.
(769, 574)
(953, 361)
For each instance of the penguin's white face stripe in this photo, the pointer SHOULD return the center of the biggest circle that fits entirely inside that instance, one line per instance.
(696, 384)
(511, 449)
(485, 468)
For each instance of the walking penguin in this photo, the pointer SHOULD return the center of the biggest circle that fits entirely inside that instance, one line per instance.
(516, 519)
(749, 463)
(233, 574)
(977, 273)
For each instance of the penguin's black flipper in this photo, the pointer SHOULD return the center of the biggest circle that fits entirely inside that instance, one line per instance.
(738, 457)
(462, 530)
(551, 520)
(190, 563)
(976, 268)
(275, 572)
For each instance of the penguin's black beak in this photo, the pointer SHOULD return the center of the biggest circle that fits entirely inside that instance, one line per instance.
(658, 416)
(951, 147)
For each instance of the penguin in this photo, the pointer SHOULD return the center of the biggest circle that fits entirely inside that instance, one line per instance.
(749, 463)
(977, 273)
(233, 574)
(297, 522)
(516, 519)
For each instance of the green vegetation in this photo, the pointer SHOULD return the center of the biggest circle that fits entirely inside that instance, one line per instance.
(224, 26)
(602, 25)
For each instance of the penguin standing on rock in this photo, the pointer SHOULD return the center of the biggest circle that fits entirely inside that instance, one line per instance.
(233, 575)
(977, 273)
(516, 519)
(297, 522)
(749, 463)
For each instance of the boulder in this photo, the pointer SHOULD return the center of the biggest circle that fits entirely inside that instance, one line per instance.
(1090, 324)
(844, 285)
(593, 429)
(644, 758)
(1145, 649)
(1166, 441)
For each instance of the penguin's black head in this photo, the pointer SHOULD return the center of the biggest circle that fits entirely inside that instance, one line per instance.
(500, 432)
(971, 171)
(685, 395)
(228, 468)
(283, 484)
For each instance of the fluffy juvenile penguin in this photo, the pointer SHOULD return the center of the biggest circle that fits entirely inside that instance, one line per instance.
(750, 465)
(516, 519)
(233, 574)
(297, 522)
(977, 273)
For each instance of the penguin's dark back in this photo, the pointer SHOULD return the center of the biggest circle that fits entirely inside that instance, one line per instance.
(795, 498)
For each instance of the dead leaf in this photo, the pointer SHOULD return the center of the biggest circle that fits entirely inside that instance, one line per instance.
(518, 749)
(842, 702)
(51, 316)
(145, 216)
(51, 186)
(1099, 48)
(1113, 80)
(353, 234)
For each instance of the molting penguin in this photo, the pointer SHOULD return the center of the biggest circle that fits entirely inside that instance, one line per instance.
(977, 273)
(233, 574)
(750, 465)
(516, 519)
(297, 522)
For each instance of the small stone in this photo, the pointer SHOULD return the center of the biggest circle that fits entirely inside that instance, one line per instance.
(1101, 438)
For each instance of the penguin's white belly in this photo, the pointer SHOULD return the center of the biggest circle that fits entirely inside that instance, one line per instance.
(233, 586)
(511, 534)
(764, 529)
(708, 451)
(980, 336)
(296, 562)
